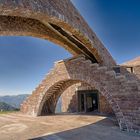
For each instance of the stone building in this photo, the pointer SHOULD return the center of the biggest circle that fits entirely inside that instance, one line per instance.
(133, 66)
(61, 23)
(83, 99)
(80, 98)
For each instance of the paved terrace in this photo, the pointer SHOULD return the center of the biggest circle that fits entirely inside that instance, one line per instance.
(16, 126)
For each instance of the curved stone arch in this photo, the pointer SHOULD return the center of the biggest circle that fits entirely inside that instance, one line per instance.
(75, 35)
(65, 21)
(55, 93)
(21, 26)
(75, 77)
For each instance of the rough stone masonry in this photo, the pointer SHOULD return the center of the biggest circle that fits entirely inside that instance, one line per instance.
(60, 22)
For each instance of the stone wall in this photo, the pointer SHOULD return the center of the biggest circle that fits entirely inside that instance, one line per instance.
(122, 94)
(137, 71)
(104, 107)
(70, 100)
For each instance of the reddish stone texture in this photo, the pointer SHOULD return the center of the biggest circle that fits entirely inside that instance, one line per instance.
(70, 100)
(61, 23)
(133, 67)
(121, 93)
(45, 18)
(104, 106)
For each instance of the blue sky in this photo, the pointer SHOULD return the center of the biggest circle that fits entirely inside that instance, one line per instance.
(24, 61)
(116, 23)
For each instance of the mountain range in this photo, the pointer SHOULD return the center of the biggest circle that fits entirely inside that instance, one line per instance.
(9, 103)
(12, 101)
(6, 107)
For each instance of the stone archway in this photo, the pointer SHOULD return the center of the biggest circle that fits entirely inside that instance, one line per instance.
(61, 23)
(48, 104)
(68, 72)
(56, 21)
(51, 97)
(65, 74)
(79, 97)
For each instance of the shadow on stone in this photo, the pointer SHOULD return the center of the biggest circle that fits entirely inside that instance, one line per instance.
(105, 129)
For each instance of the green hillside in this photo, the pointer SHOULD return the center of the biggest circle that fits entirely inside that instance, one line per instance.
(6, 107)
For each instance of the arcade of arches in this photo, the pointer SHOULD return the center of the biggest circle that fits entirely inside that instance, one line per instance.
(60, 22)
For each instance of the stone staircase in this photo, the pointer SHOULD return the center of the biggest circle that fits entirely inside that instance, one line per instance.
(122, 93)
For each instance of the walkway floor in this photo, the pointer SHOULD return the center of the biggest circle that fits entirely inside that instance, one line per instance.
(60, 127)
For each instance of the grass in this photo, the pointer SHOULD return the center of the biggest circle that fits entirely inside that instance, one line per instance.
(7, 112)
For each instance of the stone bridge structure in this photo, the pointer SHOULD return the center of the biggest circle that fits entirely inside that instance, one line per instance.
(121, 93)
(60, 22)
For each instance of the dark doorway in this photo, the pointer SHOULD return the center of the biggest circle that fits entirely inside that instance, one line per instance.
(87, 100)
(82, 103)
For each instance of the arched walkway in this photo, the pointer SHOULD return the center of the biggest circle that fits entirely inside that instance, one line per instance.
(61, 23)
(56, 21)
(65, 74)
(82, 98)
(49, 102)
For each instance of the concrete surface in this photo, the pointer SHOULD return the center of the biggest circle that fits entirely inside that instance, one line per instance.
(16, 126)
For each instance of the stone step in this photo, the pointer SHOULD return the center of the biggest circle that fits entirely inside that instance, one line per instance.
(121, 78)
(41, 86)
(75, 58)
(43, 81)
(94, 65)
(102, 68)
(139, 88)
(111, 73)
(88, 62)
(81, 58)
(131, 83)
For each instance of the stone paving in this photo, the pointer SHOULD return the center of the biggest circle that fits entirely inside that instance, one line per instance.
(16, 126)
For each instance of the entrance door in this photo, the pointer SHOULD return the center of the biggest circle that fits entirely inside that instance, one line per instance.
(88, 100)
(82, 103)
(92, 101)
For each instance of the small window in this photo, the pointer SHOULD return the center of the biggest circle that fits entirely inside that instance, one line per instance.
(117, 70)
(130, 69)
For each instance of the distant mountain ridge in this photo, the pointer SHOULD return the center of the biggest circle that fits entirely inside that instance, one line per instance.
(6, 107)
(15, 101)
